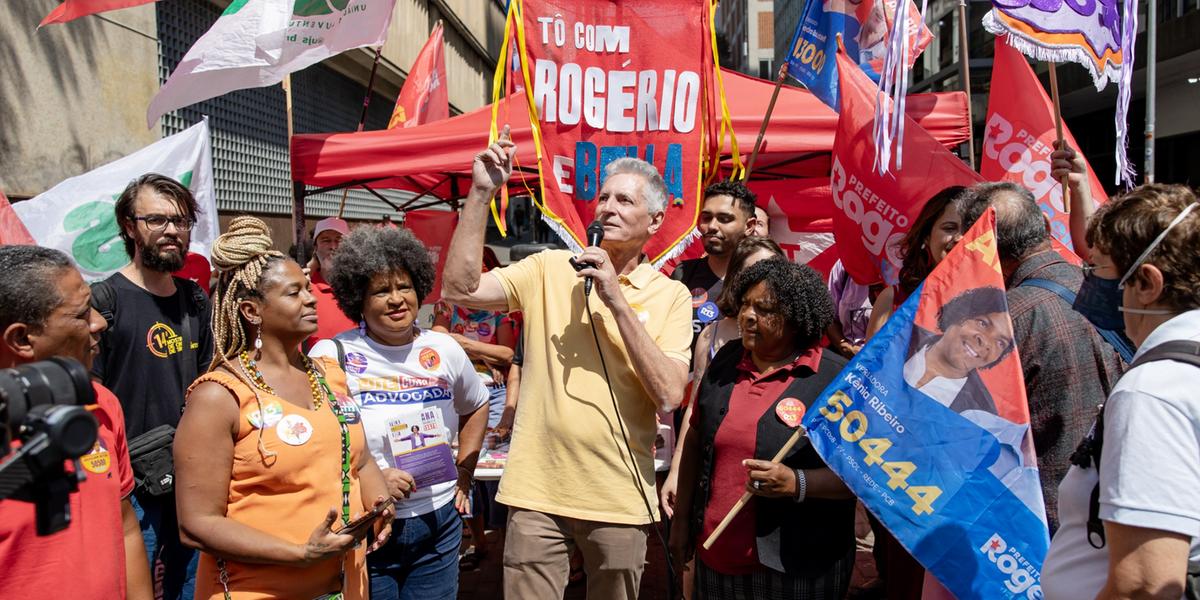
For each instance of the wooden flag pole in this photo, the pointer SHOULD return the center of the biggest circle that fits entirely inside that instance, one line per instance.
(964, 70)
(762, 130)
(1066, 190)
(298, 228)
(746, 496)
(362, 119)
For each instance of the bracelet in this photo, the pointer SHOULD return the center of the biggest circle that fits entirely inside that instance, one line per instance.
(801, 485)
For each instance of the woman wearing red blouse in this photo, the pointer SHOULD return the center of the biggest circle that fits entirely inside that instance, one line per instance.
(795, 539)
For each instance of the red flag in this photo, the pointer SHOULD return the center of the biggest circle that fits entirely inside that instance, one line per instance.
(433, 228)
(424, 98)
(12, 230)
(70, 10)
(871, 211)
(1020, 135)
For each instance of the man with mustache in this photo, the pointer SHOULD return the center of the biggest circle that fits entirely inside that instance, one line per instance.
(726, 217)
(158, 341)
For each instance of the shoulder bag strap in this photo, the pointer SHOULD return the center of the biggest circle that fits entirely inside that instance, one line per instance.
(1113, 338)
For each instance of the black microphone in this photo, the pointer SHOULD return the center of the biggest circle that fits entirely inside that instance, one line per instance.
(595, 235)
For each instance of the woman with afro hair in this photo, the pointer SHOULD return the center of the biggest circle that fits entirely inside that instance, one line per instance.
(796, 538)
(403, 377)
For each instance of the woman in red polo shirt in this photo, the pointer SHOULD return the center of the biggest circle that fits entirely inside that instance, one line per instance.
(795, 539)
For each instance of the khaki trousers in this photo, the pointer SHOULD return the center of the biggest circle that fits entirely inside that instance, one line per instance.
(538, 548)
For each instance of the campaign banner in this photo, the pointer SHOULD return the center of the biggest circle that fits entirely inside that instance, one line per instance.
(434, 228)
(78, 215)
(873, 211)
(609, 80)
(929, 426)
(864, 26)
(424, 97)
(1019, 137)
(421, 448)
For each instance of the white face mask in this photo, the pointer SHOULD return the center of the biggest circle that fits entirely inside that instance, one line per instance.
(1141, 259)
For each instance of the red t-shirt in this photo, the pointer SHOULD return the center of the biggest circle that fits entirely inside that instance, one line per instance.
(86, 560)
(330, 319)
(734, 553)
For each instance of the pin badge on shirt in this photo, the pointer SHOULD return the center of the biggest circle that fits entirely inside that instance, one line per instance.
(294, 430)
(790, 411)
(272, 410)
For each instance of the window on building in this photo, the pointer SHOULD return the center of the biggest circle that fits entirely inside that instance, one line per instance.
(766, 30)
(764, 69)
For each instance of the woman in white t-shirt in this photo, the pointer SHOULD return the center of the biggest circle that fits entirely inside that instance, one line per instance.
(1145, 529)
(416, 390)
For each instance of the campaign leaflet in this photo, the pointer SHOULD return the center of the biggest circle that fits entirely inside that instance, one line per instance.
(929, 426)
(422, 448)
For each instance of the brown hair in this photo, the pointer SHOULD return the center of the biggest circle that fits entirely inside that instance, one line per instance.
(748, 246)
(1127, 225)
(162, 184)
(918, 263)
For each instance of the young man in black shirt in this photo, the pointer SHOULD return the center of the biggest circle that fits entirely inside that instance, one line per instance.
(726, 217)
(158, 341)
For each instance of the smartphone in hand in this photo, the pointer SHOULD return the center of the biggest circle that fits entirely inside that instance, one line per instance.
(355, 527)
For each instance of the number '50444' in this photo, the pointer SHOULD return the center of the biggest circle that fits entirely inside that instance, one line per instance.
(854, 430)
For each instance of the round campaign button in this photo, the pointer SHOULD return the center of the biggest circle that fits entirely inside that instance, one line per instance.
(708, 312)
(294, 430)
(790, 411)
(272, 411)
(356, 362)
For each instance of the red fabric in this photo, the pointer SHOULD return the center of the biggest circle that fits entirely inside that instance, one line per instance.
(12, 230)
(73, 9)
(424, 98)
(753, 394)
(330, 319)
(434, 228)
(437, 157)
(87, 559)
(196, 268)
(1019, 138)
(874, 211)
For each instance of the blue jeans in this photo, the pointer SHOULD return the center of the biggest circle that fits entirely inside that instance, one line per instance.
(420, 561)
(172, 565)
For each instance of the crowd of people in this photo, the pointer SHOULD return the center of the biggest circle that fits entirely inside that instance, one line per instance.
(299, 434)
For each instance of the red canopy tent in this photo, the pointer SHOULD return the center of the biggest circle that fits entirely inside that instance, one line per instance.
(435, 159)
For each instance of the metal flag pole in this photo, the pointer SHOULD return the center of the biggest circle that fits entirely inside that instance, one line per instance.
(964, 73)
(1151, 83)
(362, 119)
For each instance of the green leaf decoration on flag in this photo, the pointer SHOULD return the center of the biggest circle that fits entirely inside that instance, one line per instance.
(313, 8)
(99, 248)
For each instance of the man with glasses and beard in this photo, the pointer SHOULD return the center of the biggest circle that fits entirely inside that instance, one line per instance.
(158, 341)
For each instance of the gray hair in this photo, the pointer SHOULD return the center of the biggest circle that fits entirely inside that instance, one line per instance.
(28, 289)
(654, 189)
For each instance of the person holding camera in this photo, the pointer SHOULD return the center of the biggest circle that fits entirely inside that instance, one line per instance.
(274, 470)
(45, 312)
(597, 369)
(158, 341)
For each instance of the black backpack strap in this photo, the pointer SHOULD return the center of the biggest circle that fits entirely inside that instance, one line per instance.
(104, 300)
(191, 302)
(1184, 351)
(1113, 338)
(341, 352)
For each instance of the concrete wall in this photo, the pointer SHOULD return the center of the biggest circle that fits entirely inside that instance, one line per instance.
(73, 96)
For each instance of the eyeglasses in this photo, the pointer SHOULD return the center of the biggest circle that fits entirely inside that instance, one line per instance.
(159, 222)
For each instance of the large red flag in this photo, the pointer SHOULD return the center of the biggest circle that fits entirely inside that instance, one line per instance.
(433, 228)
(12, 230)
(70, 10)
(1020, 135)
(873, 211)
(424, 98)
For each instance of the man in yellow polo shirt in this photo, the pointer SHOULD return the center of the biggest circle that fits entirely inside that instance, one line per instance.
(570, 480)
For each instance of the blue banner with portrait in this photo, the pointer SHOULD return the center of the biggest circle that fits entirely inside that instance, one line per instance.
(929, 426)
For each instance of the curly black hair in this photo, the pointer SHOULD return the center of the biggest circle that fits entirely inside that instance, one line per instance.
(800, 292)
(743, 198)
(368, 251)
(973, 303)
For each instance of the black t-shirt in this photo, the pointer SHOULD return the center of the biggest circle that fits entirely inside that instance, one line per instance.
(705, 287)
(142, 354)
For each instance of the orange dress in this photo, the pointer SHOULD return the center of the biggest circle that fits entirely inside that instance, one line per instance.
(289, 494)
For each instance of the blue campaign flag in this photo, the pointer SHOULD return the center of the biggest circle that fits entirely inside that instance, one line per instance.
(929, 427)
(864, 27)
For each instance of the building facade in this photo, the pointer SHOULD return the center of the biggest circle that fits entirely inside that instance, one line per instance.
(76, 94)
(747, 28)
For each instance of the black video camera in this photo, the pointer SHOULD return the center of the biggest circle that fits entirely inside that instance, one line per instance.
(41, 405)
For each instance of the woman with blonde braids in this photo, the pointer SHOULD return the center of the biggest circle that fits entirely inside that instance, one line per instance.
(270, 456)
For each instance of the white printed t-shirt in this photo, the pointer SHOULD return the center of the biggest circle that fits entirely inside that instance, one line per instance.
(390, 383)
(1149, 467)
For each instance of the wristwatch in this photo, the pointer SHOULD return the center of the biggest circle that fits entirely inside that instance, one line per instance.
(801, 485)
